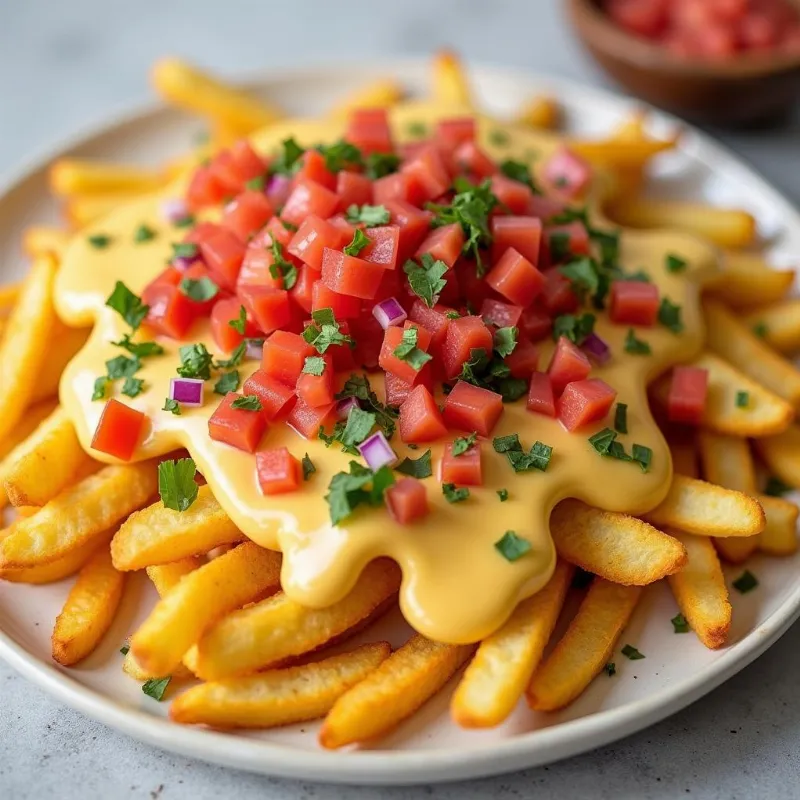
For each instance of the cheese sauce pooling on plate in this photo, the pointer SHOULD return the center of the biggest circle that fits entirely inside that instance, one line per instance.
(456, 586)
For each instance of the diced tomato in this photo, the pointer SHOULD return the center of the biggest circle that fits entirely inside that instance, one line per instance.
(118, 430)
(278, 471)
(564, 241)
(224, 312)
(544, 207)
(413, 223)
(342, 305)
(464, 335)
(247, 214)
(633, 303)
(368, 335)
(514, 277)
(269, 307)
(407, 500)
(524, 234)
(469, 158)
(312, 168)
(540, 395)
(307, 420)
(312, 237)
(443, 244)
(567, 173)
(223, 252)
(643, 17)
(452, 294)
(463, 470)
(428, 172)
(317, 390)
(342, 353)
(687, 395)
(204, 190)
(389, 362)
(399, 187)
(434, 319)
(350, 275)
(583, 402)
(499, 314)
(535, 322)
(340, 223)
(450, 133)
(284, 355)
(391, 285)
(397, 390)
(276, 397)
(226, 173)
(557, 295)
(515, 196)
(171, 311)
(420, 420)
(199, 272)
(307, 198)
(258, 258)
(569, 363)
(382, 251)
(237, 427)
(472, 408)
(353, 189)
(368, 129)
(524, 360)
(249, 164)
(302, 293)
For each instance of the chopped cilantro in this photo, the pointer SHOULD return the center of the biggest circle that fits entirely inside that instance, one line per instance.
(502, 494)
(139, 349)
(576, 329)
(453, 494)
(156, 687)
(511, 546)
(176, 483)
(287, 162)
(505, 341)
(674, 263)
(621, 418)
(630, 652)
(610, 669)
(503, 444)
(228, 382)
(408, 351)
(236, 357)
(369, 215)
(560, 245)
(583, 276)
(248, 402)
(360, 241)
(742, 399)
(669, 315)
(379, 165)
(314, 365)
(463, 443)
(143, 233)
(256, 184)
(425, 279)
(340, 155)
(324, 331)
(761, 329)
(361, 486)
(679, 624)
(308, 467)
(128, 305)
(239, 323)
(132, 387)
(518, 171)
(358, 426)
(498, 137)
(184, 250)
(99, 241)
(289, 226)
(642, 455)
(635, 346)
(122, 367)
(416, 467)
(125, 649)
(417, 129)
(100, 387)
(173, 406)
(200, 290)
(538, 457)
(746, 582)
(280, 268)
(195, 361)
(185, 222)
(605, 442)
(358, 386)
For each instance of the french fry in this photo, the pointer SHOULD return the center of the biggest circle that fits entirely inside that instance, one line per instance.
(189, 88)
(9, 294)
(745, 281)
(698, 507)
(736, 343)
(504, 662)
(779, 537)
(243, 575)
(542, 112)
(83, 209)
(778, 325)
(382, 93)
(586, 646)
(449, 84)
(89, 610)
(617, 547)
(392, 692)
(725, 227)
(158, 535)
(48, 461)
(727, 461)
(40, 240)
(78, 514)
(281, 696)
(614, 154)
(22, 353)
(70, 176)
(782, 454)
(133, 669)
(63, 348)
(700, 591)
(278, 628)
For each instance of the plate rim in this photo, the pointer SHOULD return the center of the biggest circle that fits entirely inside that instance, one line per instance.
(372, 767)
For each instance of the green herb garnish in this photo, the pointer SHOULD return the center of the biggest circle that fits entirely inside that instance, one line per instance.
(746, 582)
(176, 483)
(228, 382)
(505, 341)
(100, 387)
(143, 233)
(408, 351)
(132, 387)
(463, 443)
(379, 165)
(454, 495)
(256, 184)
(360, 241)
(669, 315)
(635, 346)
(156, 687)
(324, 331)
(128, 305)
(280, 268)
(610, 669)
(621, 418)
(502, 494)
(369, 215)
(511, 546)
(630, 652)
(674, 263)
(122, 367)
(198, 290)
(247, 402)
(184, 250)
(239, 323)
(99, 241)
(776, 487)
(742, 399)
(308, 467)
(173, 406)
(679, 624)
(425, 278)
(196, 361)
(574, 328)
(361, 486)
(314, 365)
(416, 467)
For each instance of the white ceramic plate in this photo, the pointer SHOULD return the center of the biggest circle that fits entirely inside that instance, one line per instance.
(676, 671)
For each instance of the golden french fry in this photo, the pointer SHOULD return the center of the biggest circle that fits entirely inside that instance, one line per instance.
(382, 93)
(613, 153)
(277, 628)
(392, 692)
(158, 535)
(189, 88)
(23, 347)
(725, 227)
(727, 461)
(780, 534)
(736, 343)
(39, 240)
(66, 343)
(745, 281)
(70, 176)
(243, 575)
(617, 547)
(89, 609)
(504, 662)
(542, 112)
(9, 294)
(25, 511)
(449, 84)
(133, 669)
(48, 461)
(83, 209)
(705, 509)
(78, 514)
(586, 646)
(782, 455)
(281, 696)
(778, 325)
(700, 591)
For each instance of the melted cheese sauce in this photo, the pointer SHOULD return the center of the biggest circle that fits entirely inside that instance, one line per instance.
(456, 586)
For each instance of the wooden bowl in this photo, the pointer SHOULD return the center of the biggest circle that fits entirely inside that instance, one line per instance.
(746, 90)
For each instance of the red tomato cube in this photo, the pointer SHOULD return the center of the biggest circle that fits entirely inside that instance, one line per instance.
(307, 420)
(524, 234)
(407, 500)
(312, 168)
(302, 293)
(463, 470)
(434, 319)
(535, 322)
(223, 252)
(687, 395)
(566, 241)
(247, 214)
(118, 430)
(464, 335)
(278, 471)
(413, 223)
(472, 408)
(353, 189)
(312, 237)
(557, 295)
(427, 171)
(204, 190)
(642, 17)
(307, 198)
(276, 397)
(633, 303)
(226, 172)
(342, 305)
(238, 427)
(226, 337)
(171, 312)
(382, 250)
(369, 130)
(540, 395)
(450, 133)
(284, 355)
(397, 187)
(389, 362)
(515, 196)
(584, 402)
(317, 390)
(470, 159)
(569, 363)
(443, 244)
(514, 277)
(524, 360)
(499, 314)
(267, 306)
(420, 420)
(350, 275)
(258, 258)
(248, 163)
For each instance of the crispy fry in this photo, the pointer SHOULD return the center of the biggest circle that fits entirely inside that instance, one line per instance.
(21, 352)
(133, 669)
(782, 454)
(245, 574)
(25, 511)
(61, 350)
(701, 592)
(613, 153)
(745, 281)
(496, 678)
(158, 535)
(277, 628)
(48, 461)
(39, 240)
(382, 93)
(698, 507)
(617, 547)
(780, 534)
(586, 646)
(83, 209)
(281, 696)
(189, 88)
(9, 294)
(78, 514)
(70, 176)
(778, 325)
(542, 112)
(725, 227)
(449, 83)
(89, 609)
(394, 691)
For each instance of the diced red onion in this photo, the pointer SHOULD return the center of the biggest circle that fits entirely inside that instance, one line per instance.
(182, 263)
(596, 348)
(174, 210)
(254, 349)
(389, 312)
(186, 391)
(277, 188)
(343, 406)
(377, 452)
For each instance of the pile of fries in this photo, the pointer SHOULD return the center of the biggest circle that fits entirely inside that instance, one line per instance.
(253, 658)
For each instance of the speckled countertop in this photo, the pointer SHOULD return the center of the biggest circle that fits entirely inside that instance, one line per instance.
(64, 63)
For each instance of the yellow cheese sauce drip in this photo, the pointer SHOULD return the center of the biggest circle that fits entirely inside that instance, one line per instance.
(456, 586)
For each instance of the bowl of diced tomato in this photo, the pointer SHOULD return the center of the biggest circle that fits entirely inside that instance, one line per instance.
(717, 61)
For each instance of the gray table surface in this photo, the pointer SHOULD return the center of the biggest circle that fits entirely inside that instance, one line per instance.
(63, 63)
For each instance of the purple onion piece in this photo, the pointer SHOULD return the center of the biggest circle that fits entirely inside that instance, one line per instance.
(344, 406)
(186, 391)
(377, 452)
(277, 188)
(182, 263)
(596, 348)
(254, 349)
(174, 210)
(389, 312)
